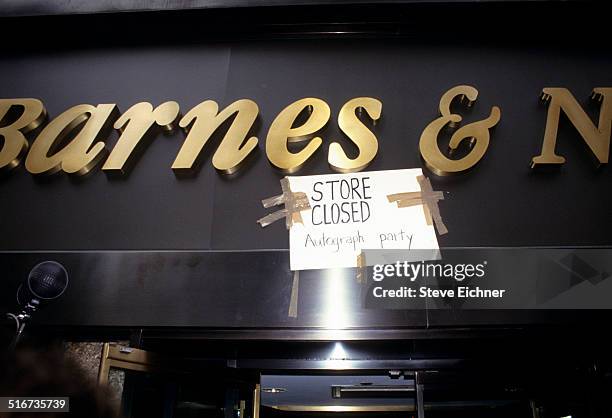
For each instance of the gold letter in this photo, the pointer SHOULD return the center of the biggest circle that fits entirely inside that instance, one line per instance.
(15, 144)
(134, 124)
(206, 120)
(362, 137)
(477, 132)
(282, 131)
(597, 138)
(80, 155)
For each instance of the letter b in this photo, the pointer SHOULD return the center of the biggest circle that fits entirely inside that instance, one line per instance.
(14, 145)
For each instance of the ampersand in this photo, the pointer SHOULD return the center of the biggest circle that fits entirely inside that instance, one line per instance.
(477, 133)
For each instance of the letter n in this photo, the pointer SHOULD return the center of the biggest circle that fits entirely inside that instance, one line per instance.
(596, 137)
(204, 120)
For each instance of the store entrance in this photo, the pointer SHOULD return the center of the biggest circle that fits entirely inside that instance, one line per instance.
(327, 395)
(475, 378)
(391, 394)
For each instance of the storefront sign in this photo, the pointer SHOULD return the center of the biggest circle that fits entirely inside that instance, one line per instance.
(349, 213)
(74, 141)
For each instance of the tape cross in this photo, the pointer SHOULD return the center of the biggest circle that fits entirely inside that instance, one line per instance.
(294, 204)
(426, 197)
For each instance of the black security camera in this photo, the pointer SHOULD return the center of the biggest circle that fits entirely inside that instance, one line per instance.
(47, 281)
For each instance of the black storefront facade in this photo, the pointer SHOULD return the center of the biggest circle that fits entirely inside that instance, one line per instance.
(174, 265)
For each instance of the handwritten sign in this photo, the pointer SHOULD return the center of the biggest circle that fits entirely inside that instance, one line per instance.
(350, 213)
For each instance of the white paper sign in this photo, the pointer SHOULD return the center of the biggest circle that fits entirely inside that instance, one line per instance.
(350, 213)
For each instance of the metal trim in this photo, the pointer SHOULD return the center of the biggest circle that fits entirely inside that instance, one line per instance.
(36, 8)
(344, 408)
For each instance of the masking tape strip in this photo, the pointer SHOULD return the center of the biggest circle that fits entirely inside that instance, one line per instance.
(426, 197)
(294, 204)
(293, 303)
(361, 268)
(430, 200)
